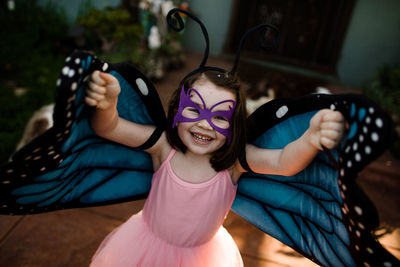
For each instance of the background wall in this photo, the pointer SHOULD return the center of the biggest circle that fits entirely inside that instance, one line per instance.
(373, 38)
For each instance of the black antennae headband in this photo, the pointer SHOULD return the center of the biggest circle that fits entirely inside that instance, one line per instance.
(178, 25)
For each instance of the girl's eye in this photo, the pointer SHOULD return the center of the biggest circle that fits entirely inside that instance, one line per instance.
(191, 113)
(193, 110)
(221, 118)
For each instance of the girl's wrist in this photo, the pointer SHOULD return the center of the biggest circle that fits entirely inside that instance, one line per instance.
(313, 139)
(108, 104)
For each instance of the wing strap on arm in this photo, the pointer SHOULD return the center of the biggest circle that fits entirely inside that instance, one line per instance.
(153, 138)
(243, 162)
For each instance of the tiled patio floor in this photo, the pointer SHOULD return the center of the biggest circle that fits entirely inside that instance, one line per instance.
(70, 237)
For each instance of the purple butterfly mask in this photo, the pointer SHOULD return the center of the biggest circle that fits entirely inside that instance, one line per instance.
(188, 111)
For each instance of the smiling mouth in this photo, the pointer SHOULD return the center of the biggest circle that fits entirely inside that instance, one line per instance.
(201, 138)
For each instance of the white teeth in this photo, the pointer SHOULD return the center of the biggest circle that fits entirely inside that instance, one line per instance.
(202, 138)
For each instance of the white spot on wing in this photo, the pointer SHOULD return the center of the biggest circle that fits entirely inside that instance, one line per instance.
(379, 122)
(355, 146)
(71, 73)
(358, 210)
(375, 137)
(142, 86)
(282, 111)
(65, 70)
(105, 67)
(358, 234)
(74, 85)
(349, 164)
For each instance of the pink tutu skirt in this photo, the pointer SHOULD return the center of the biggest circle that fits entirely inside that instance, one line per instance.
(133, 244)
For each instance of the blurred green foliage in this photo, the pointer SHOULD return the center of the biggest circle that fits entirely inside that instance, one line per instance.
(35, 39)
(384, 89)
(111, 26)
(32, 51)
(121, 38)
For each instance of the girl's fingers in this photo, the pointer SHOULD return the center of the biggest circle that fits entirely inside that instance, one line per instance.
(330, 125)
(96, 88)
(90, 101)
(94, 95)
(95, 77)
(331, 115)
(107, 78)
(331, 134)
(328, 143)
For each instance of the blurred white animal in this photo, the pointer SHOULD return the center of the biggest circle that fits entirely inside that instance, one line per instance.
(41, 120)
(322, 90)
(253, 104)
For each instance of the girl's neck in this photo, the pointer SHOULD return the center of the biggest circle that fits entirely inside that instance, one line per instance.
(200, 159)
(192, 168)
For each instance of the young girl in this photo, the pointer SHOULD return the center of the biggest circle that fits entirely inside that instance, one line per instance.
(196, 170)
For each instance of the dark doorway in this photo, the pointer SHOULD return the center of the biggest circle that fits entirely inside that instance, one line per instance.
(311, 31)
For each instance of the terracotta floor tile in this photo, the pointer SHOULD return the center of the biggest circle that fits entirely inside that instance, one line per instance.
(64, 238)
(255, 244)
(254, 262)
(7, 223)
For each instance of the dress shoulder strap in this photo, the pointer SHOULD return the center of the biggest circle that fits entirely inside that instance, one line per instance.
(170, 155)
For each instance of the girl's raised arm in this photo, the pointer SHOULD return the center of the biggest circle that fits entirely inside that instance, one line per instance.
(326, 129)
(102, 93)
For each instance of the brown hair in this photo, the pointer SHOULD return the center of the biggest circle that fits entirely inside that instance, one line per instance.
(227, 155)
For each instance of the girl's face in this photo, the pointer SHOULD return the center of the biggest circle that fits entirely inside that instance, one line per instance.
(199, 136)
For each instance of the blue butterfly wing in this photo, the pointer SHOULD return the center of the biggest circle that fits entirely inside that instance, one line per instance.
(69, 165)
(320, 212)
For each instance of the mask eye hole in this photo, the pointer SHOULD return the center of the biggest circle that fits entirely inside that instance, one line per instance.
(220, 121)
(190, 113)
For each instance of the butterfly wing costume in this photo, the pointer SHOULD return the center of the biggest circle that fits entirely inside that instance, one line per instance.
(69, 165)
(320, 212)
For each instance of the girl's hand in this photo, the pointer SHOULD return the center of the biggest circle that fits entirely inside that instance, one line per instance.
(103, 90)
(326, 128)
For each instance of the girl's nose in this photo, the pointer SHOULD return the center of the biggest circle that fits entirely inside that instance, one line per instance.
(204, 124)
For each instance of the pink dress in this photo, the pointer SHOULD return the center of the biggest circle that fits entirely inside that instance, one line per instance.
(180, 225)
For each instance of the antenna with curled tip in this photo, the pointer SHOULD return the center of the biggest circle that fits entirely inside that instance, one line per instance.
(178, 26)
(175, 13)
(264, 28)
